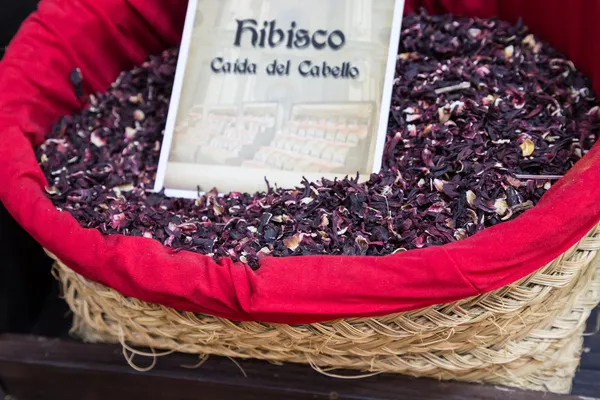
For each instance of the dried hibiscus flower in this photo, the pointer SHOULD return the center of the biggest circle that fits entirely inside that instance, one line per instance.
(483, 117)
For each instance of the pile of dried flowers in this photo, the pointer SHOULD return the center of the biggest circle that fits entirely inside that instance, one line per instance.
(484, 116)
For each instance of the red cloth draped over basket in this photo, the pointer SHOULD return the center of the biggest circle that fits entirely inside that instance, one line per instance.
(103, 37)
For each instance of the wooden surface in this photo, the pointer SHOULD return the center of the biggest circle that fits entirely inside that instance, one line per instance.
(40, 368)
(587, 379)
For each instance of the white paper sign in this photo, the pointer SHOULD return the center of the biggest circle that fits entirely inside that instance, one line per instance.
(279, 89)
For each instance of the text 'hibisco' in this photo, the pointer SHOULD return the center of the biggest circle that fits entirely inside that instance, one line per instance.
(269, 36)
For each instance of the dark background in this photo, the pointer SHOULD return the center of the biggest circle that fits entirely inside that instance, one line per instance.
(29, 300)
(12, 13)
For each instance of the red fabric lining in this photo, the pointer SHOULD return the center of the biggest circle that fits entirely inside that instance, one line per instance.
(103, 37)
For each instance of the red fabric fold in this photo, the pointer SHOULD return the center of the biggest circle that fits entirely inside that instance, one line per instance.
(103, 37)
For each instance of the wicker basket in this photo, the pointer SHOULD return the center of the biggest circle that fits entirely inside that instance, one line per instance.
(527, 334)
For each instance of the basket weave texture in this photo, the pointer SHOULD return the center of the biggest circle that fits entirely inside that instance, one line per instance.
(528, 334)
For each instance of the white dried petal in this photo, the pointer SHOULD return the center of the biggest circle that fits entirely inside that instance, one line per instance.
(386, 190)
(307, 200)
(139, 115)
(471, 197)
(474, 32)
(457, 107)
(97, 140)
(265, 250)
(127, 187)
(501, 206)
(293, 242)
(482, 71)
(136, 99)
(439, 184)
(460, 234)
(413, 117)
(218, 209)
(444, 115)
(472, 214)
(130, 132)
(509, 51)
(362, 242)
(407, 56)
(527, 147)
(507, 215)
(529, 40)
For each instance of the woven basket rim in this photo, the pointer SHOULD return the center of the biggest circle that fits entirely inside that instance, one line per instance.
(529, 334)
